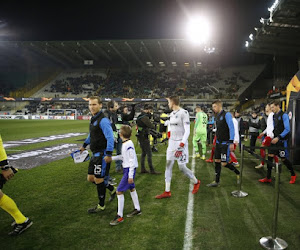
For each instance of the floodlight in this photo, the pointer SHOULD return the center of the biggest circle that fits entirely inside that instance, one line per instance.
(198, 30)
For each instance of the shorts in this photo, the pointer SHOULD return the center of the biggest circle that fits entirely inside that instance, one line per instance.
(172, 147)
(282, 153)
(222, 152)
(97, 166)
(266, 141)
(124, 185)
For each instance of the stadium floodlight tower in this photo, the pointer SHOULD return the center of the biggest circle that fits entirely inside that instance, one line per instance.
(198, 30)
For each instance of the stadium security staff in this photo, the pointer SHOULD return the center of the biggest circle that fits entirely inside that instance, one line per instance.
(101, 141)
(21, 223)
(126, 115)
(254, 126)
(143, 125)
(281, 133)
(224, 141)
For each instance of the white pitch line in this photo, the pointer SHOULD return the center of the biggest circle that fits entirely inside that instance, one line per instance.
(188, 234)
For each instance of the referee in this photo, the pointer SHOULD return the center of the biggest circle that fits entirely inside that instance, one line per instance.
(224, 143)
(101, 141)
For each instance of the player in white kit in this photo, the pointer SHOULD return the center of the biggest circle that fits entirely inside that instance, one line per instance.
(178, 148)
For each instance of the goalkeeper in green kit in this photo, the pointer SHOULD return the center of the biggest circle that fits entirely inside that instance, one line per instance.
(200, 133)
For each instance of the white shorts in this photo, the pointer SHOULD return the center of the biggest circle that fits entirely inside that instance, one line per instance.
(172, 147)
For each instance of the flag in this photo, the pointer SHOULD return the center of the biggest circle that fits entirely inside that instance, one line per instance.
(293, 86)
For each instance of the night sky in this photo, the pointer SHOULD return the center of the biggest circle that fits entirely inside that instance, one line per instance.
(232, 20)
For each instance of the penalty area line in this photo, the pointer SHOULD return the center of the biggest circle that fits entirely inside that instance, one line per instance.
(188, 234)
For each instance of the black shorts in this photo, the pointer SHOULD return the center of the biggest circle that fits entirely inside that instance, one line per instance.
(222, 152)
(282, 153)
(97, 166)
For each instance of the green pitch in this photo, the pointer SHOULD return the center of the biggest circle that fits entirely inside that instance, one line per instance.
(56, 197)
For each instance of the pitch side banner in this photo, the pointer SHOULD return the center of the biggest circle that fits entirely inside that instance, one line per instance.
(35, 158)
(9, 144)
(44, 99)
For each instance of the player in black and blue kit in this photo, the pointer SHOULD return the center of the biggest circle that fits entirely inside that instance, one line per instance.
(224, 143)
(281, 133)
(101, 141)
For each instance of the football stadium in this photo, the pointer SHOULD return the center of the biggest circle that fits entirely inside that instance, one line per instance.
(150, 125)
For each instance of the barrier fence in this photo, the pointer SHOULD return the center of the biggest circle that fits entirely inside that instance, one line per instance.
(267, 242)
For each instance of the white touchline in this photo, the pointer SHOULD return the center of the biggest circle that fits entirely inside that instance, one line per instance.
(188, 234)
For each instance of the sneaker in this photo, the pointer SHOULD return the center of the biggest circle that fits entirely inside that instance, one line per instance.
(144, 171)
(196, 187)
(117, 220)
(196, 155)
(265, 180)
(213, 184)
(259, 166)
(20, 228)
(113, 194)
(203, 157)
(236, 164)
(134, 213)
(96, 209)
(163, 195)
(209, 160)
(293, 179)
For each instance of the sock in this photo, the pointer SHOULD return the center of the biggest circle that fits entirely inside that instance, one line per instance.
(135, 200)
(121, 200)
(233, 157)
(8, 205)
(212, 153)
(263, 155)
(101, 193)
(289, 166)
(195, 180)
(269, 165)
(168, 187)
(110, 187)
(218, 171)
(232, 168)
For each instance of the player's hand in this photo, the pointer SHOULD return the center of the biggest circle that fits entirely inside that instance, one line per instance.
(275, 140)
(261, 135)
(179, 150)
(8, 174)
(130, 180)
(231, 147)
(108, 159)
(81, 149)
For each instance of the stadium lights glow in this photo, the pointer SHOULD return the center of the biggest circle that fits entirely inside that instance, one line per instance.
(256, 29)
(246, 44)
(161, 62)
(274, 6)
(186, 64)
(198, 30)
(148, 62)
(251, 37)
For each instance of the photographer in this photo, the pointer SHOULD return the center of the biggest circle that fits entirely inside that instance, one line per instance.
(144, 125)
(127, 116)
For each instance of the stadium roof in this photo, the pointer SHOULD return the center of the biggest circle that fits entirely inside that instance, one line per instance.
(280, 33)
(156, 53)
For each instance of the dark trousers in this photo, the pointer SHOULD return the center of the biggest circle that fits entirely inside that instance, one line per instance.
(146, 150)
(253, 138)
